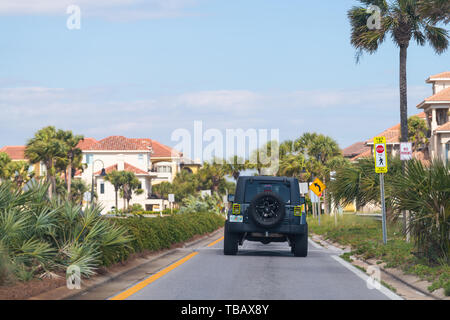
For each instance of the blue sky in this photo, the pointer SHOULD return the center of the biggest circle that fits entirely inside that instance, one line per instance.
(145, 68)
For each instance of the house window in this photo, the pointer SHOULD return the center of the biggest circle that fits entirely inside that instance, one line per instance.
(164, 169)
(89, 158)
(141, 157)
(102, 188)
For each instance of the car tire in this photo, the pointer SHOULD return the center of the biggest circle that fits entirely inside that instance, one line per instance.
(280, 212)
(230, 243)
(300, 246)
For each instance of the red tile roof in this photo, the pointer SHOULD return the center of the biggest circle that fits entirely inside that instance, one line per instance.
(444, 127)
(161, 150)
(443, 95)
(365, 154)
(442, 75)
(14, 152)
(127, 167)
(86, 143)
(355, 149)
(118, 143)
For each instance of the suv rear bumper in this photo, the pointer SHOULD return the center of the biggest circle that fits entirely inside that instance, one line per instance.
(239, 227)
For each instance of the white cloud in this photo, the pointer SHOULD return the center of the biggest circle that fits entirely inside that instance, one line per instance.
(347, 115)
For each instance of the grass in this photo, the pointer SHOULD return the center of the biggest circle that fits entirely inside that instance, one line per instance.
(364, 236)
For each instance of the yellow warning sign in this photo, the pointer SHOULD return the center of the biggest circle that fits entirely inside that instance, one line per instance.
(379, 152)
(317, 187)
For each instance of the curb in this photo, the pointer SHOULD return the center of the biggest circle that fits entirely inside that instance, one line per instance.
(63, 293)
(411, 286)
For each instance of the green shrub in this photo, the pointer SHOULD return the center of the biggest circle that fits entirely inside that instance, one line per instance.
(6, 270)
(447, 289)
(161, 232)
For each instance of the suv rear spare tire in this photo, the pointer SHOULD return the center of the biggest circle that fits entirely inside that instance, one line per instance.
(267, 209)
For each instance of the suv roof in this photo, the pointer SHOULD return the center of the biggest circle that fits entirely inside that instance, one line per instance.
(293, 182)
(267, 178)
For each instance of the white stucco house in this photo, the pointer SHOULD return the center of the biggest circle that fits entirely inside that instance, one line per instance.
(436, 108)
(151, 162)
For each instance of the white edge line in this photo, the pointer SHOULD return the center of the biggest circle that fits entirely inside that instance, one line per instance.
(315, 244)
(391, 295)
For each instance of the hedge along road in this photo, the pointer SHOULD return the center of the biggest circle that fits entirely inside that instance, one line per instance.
(258, 272)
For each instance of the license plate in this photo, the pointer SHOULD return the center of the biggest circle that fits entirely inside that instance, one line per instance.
(236, 218)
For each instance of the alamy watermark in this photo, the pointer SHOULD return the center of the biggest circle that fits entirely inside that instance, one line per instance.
(74, 20)
(374, 21)
(73, 277)
(374, 280)
(254, 146)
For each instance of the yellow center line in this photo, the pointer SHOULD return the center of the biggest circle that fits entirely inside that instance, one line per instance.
(141, 285)
(214, 242)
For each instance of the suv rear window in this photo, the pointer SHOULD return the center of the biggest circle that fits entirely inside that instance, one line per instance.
(255, 187)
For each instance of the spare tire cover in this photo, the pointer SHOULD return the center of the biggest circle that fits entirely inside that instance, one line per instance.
(267, 209)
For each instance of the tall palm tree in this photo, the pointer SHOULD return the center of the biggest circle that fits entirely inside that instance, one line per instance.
(116, 179)
(403, 20)
(45, 146)
(130, 185)
(71, 151)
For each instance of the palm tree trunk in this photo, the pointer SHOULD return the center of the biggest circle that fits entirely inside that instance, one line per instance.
(49, 178)
(117, 203)
(403, 94)
(69, 178)
(403, 106)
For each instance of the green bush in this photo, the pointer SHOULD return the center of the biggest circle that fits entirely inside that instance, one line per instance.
(161, 232)
(6, 270)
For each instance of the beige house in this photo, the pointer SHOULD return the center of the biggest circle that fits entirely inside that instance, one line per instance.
(436, 108)
(17, 153)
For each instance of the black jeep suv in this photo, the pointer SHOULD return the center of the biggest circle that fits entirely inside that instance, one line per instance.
(267, 209)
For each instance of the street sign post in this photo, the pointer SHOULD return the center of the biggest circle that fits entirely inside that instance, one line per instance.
(171, 198)
(405, 151)
(318, 187)
(379, 145)
(379, 150)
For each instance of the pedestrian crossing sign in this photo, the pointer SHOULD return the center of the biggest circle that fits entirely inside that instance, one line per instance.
(379, 152)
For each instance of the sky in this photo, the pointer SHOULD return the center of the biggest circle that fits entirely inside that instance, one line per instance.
(145, 68)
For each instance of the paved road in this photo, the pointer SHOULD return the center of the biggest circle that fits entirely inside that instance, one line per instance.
(260, 272)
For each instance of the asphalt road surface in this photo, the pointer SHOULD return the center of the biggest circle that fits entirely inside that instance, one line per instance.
(267, 272)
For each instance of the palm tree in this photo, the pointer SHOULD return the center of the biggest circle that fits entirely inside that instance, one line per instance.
(293, 166)
(4, 162)
(435, 10)
(45, 146)
(130, 185)
(211, 175)
(234, 167)
(417, 132)
(71, 151)
(77, 191)
(115, 178)
(403, 20)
